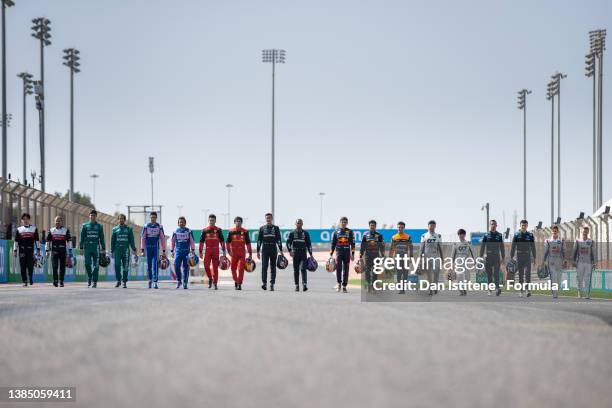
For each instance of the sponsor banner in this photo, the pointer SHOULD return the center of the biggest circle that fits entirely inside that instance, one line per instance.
(324, 236)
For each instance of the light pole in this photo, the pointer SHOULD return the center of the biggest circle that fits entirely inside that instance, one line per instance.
(5, 4)
(27, 90)
(71, 56)
(229, 189)
(590, 68)
(151, 170)
(41, 32)
(9, 118)
(273, 56)
(321, 194)
(601, 46)
(486, 208)
(522, 104)
(557, 77)
(34, 178)
(93, 178)
(595, 68)
(550, 95)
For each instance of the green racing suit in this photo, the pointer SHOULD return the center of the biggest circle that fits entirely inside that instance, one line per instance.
(92, 240)
(122, 239)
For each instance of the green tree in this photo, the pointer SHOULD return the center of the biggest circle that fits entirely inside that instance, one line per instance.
(79, 198)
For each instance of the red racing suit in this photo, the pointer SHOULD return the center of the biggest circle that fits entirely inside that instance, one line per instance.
(237, 240)
(210, 240)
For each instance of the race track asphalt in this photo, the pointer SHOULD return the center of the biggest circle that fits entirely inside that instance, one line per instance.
(174, 348)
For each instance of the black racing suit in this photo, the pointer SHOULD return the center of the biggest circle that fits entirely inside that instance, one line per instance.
(343, 242)
(59, 239)
(523, 244)
(26, 240)
(269, 242)
(299, 243)
(493, 246)
(373, 246)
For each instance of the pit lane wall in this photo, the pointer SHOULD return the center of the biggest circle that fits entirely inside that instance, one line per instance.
(9, 268)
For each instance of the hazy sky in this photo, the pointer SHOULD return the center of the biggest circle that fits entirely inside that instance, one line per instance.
(395, 109)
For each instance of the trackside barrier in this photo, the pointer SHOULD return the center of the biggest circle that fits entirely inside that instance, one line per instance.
(322, 236)
(10, 272)
(16, 198)
(4, 261)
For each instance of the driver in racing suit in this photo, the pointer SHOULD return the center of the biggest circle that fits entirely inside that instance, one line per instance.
(343, 243)
(401, 246)
(151, 238)
(237, 240)
(523, 245)
(431, 254)
(182, 241)
(493, 245)
(462, 250)
(211, 238)
(373, 246)
(585, 259)
(554, 255)
(26, 242)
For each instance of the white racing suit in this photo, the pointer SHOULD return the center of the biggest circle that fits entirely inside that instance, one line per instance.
(431, 249)
(584, 257)
(554, 255)
(462, 250)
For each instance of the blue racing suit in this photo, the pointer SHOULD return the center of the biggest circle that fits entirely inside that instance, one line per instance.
(151, 237)
(182, 242)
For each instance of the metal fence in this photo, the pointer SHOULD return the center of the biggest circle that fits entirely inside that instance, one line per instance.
(599, 226)
(16, 198)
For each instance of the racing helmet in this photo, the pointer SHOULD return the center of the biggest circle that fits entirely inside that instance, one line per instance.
(163, 263)
(311, 264)
(193, 260)
(134, 261)
(481, 274)
(38, 261)
(224, 263)
(104, 260)
(69, 263)
(330, 265)
(511, 267)
(281, 261)
(359, 265)
(249, 265)
(543, 271)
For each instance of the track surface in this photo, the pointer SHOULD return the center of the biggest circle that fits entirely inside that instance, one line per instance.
(176, 348)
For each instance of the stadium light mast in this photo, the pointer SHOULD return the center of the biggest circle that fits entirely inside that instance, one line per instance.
(5, 4)
(42, 33)
(594, 67)
(557, 77)
(486, 207)
(93, 178)
(590, 61)
(7, 122)
(551, 91)
(27, 90)
(274, 57)
(151, 170)
(522, 105)
(71, 57)
(229, 189)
